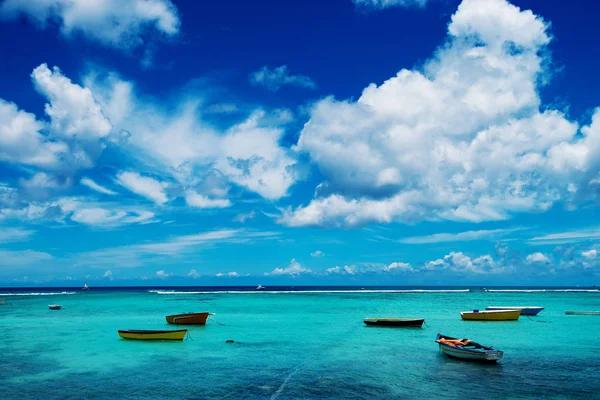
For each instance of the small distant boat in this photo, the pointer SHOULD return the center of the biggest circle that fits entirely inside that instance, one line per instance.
(467, 349)
(260, 287)
(405, 322)
(152, 335)
(85, 287)
(188, 319)
(55, 306)
(572, 312)
(485, 315)
(525, 310)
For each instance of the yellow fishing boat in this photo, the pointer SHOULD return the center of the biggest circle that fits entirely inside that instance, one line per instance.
(152, 335)
(491, 315)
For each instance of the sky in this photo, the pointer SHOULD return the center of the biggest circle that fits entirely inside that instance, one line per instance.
(347, 142)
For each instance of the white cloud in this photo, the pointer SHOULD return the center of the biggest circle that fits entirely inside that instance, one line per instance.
(463, 138)
(9, 235)
(94, 186)
(577, 235)
(103, 217)
(294, 269)
(23, 258)
(21, 140)
(162, 274)
(111, 22)
(135, 255)
(273, 79)
(108, 274)
(243, 217)
(537, 258)
(231, 274)
(317, 253)
(73, 111)
(461, 263)
(194, 199)
(381, 4)
(483, 234)
(175, 141)
(193, 274)
(144, 186)
(345, 270)
(590, 254)
(398, 266)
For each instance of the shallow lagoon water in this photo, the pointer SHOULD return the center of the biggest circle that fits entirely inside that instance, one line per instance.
(293, 345)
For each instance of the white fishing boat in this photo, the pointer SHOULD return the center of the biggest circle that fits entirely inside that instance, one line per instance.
(525, 310)
(467, 349)
(55, 306)
(260, 287)
(85, 287)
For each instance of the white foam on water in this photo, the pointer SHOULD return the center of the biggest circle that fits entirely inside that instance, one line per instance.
(308, 291)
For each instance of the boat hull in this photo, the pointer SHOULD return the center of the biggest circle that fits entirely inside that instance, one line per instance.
(525, 310)
(152, 335)
(570, 312)
(55, 306)
(188, 319)
(503, 315)
(480, 354)
(395, 322)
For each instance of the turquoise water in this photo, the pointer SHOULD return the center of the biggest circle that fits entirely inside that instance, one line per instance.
(310, 345)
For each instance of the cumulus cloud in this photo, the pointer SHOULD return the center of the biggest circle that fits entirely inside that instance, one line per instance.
(194, 199)
(231, 274)
(108, 275)
(162, 274)
(113, 23)
(537, 258)
(381, 4)
(464, 138)
(590, 254)
(397, 266)
(317, 253)
(274, 78)
(345, 270)
(73, 111)
(461, 263)
(94, 186)
(294, 269)
(193, 274)
(144, 186)
(22, 141)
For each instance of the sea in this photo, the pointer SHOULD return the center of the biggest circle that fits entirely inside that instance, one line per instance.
(294, 343)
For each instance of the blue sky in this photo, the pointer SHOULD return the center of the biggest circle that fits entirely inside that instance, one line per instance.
(396, 142)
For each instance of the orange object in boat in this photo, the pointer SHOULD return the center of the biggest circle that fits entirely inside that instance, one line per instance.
(188, 319)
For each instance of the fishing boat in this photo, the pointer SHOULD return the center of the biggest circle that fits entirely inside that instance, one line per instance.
(260, 287)
(467, 349)
(85, 287)
(152, 335)
(55, 306)
(525, 310)
(488, 315)
(572, 312)
(188, 319)
(404, 322)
